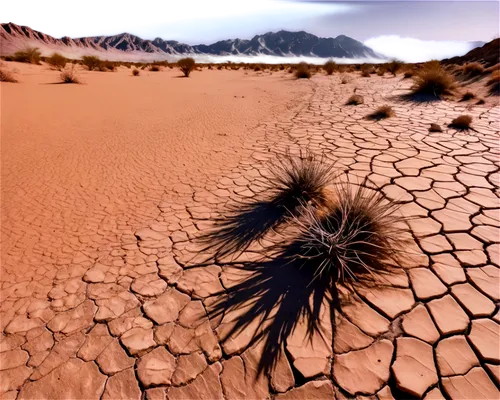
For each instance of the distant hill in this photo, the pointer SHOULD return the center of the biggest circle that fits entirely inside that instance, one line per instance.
(489, 54)
(283, 43)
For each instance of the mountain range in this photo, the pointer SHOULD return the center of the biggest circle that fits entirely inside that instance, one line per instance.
(126, 46)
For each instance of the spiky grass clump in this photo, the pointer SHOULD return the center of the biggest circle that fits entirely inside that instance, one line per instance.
(92, 62)
(468, 96)
(394, 66)
(6, 76)
(303, 71)
(299, 179)
(381, 113)
(355, 100)
(357, 237)
(473, 69)
(30, 55)
(494, 83)
(461, 123)
(69, 76)
(330, 67)
(432, 80)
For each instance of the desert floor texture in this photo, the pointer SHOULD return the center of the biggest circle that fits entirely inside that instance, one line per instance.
(106, 185)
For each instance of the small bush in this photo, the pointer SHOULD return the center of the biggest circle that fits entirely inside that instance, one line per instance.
(303, 71)
(381, 71)
(408, 74)
(30, 55)
(57, 61)
(355, 100)
(461, 123)
(330, 67)
(394, 66)
(381, 113)
(6, 76)
(468, 96)
(69, 76)
(473, 69)
(92, 62)
(433, 81)
(480, 102)
(365, 73)
(186, 65)
(154, 68)
(136, 72)
(435, 128)
(344, 80)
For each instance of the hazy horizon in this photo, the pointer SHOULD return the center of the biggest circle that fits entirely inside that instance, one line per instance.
(360, 20)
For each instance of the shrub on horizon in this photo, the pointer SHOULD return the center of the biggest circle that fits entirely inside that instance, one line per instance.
(330, 67)
(57, 61)
(186, 65)
(92, 62)
(30, 55)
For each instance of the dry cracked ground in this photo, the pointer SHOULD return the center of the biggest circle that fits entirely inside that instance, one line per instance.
(128, 314)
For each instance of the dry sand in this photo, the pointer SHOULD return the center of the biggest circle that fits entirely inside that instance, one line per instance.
(105, 185)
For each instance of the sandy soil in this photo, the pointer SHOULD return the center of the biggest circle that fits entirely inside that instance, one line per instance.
(105, 187)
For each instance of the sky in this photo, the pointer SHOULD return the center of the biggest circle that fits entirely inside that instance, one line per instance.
(409, 30)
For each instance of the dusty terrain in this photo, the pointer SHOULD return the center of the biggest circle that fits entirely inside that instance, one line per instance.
(105, 185)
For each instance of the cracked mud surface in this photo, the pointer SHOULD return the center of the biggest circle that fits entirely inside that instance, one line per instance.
(123, 306)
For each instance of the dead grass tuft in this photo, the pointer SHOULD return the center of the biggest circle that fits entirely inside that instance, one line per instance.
(461, 123)
(473, 69)
(91, 62)
(435, 128)
(136, 72)
(468, 96)
(30, 55)
(69, 75)
(57, 61)
(303, 71)
(493, 83)
(6, 76)
(355, 100)
(330, 67)
(433, 81)
(381, 113)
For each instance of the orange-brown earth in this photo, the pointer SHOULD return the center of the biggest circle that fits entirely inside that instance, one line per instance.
(105, 185)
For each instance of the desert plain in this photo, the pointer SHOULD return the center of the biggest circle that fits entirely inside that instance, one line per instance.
(106, 185)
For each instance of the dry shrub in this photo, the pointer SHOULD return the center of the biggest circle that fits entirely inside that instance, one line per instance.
(433, 81)
(408, 74)
(468, 96)
(355, 100)
(303, 71)
(394, 66)
(473, 69)
(57, 61)
(136, 72)
(356, 237)
(91, 62)
(6, 76)
(330, 67)
(461, 123)
(344, 79)
(494, 83)
(381, 71)
(69, 75)
(480, 102)
(365, 73)
(154, 68)
(435, 128)
(382, 112)
(186, 65)
(30, 55)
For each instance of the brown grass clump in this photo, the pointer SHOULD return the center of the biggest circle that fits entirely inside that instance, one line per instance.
(69, 76)
(91, 62)
(355, 100)
(394, 66)
(435, 128)
(461, 123)
(468, 96)
(186, 65)
(408, 74)
(303, 71)
(433, 81)
(365, 73)
(57, 61)
(330, 67)
(494, 83)
(6, 76)
(154, 68)
(355, 238)
(381, 71)
(381, 113)
(136, 72)
(345, 79)
(30, 55)
(473, 69)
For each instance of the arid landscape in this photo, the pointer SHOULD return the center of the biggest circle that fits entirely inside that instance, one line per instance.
(169, 229)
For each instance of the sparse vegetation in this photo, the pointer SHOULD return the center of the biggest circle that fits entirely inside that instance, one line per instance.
(435, 128)
(6, 76)
(355, 100)
(57, 61)
(29, 55)
(69, 75)
(154, 68)
(381, 113)
(136, 72)
(344, 80)
(480, 102)
(303, 71)
(186, 65)
(408, 74)
(394, 66)
(461, 123)
(473, 69)
(91, 62)
(432, 80)
(330, 67)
